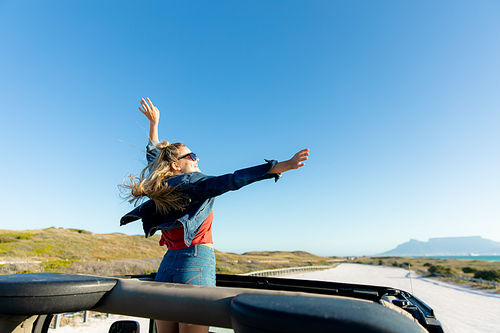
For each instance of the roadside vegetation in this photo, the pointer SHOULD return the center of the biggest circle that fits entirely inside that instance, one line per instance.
(79, 251)
(231, 263)
(479, 269)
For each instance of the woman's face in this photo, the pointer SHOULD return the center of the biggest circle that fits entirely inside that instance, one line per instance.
(186, 164)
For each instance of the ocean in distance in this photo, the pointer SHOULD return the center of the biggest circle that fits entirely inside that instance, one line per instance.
(487, 258)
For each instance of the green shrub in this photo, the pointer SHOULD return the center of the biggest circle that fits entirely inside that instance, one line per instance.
(227, 270)
(10, 237)
(56, 265)
(80, 231)
(43, 249)
(441, 269)
(469, 270)
(26, 271)
(491, 275)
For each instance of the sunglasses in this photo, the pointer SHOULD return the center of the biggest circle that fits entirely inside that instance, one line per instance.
(192, 156)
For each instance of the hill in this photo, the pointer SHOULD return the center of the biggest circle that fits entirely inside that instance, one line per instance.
(75, 244)
(79, 251)
(448, 246)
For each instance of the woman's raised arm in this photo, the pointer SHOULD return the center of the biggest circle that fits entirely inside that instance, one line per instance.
(153, 114)
(297, 161)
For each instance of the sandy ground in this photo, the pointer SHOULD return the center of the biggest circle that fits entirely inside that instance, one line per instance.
(96, 325)
(458, 308)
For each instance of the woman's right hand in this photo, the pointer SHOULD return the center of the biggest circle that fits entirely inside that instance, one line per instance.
(150, 111)
(153, 114)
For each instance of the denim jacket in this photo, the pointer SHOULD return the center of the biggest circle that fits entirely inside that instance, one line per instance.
(200, 191)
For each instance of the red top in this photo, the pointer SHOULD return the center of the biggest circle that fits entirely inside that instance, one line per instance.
(174, 239)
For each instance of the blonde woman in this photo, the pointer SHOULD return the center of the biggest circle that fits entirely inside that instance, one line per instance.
(180, 206)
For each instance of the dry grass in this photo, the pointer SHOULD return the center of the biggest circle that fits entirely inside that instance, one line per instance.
(102, 268)
(459, 267)
(115, 267)
(78, 251)
(231, 263)
(456, 266)
(82, 252)
(75, 244)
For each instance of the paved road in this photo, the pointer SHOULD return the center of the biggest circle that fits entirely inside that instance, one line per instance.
(461, 309)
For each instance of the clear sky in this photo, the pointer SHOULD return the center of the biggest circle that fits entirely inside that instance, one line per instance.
(398, 101)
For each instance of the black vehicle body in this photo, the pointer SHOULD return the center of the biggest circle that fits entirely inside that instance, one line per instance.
(243, 303)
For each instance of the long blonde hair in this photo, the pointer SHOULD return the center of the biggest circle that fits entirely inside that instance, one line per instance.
(152, 184)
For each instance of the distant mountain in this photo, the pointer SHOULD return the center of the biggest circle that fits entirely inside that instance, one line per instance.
(448, 246)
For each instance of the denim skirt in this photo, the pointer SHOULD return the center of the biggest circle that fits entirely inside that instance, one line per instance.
(194, 265)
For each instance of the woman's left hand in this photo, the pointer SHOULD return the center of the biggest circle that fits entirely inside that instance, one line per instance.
(297, 161)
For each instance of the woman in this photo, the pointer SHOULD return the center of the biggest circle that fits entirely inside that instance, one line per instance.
(181, 207)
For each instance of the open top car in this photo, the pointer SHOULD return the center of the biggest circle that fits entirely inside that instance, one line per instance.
(243, 303)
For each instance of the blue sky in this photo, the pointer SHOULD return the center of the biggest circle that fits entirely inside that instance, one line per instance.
(398, 102)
